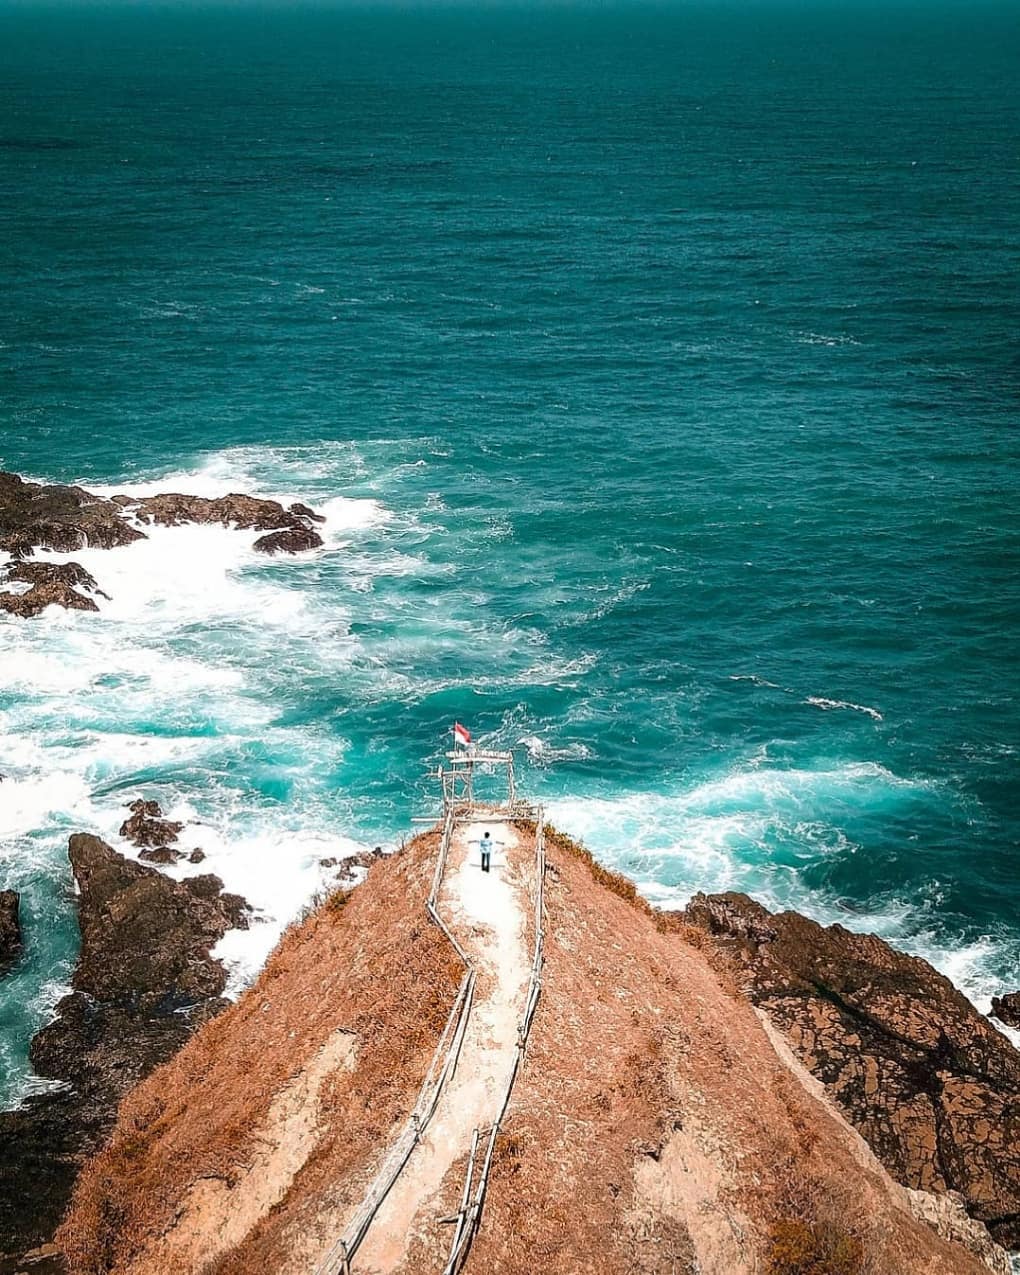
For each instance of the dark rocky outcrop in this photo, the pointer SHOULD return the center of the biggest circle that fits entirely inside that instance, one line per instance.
(293, 540)
(304, 512)
(69, 573)
(147, 827)
(161, 854)
(143, 983)
(348, 874)
(1007, 1009)
(43, 516)
(65, 519)
(145, 939)
(246, 513)
(10, 927)
(52, 516)
(53, 584)
(924, 1077)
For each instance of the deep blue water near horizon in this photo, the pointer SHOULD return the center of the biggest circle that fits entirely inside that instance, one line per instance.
(657, 368)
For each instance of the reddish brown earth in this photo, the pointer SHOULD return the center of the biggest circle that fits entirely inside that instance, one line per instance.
(659, 1124)
(278, 1111)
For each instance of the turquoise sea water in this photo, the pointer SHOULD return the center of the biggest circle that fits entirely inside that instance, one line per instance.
(657, 370)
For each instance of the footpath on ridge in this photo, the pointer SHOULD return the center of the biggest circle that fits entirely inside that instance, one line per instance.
(486, 913)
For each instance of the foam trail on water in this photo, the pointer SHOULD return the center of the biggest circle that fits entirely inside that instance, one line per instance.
(819, 701)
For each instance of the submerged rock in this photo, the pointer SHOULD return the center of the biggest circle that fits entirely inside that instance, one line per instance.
(144, 981)
(10, 926)
(924, 1077)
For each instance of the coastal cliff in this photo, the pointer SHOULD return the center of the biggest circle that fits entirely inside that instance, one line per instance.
(659, 1124)
(143, 983)
(925, 1078)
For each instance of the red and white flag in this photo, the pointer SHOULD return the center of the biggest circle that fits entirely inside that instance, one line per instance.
(461, 734)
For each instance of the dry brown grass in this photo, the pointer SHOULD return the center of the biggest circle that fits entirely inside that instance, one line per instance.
(666, 922)
(615, 882)
(652, 1122)
(366, 961)
(817, 1227)
(641, 1043)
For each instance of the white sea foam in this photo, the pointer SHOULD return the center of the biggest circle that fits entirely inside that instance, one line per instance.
(545, 753)
(816, 701)
(169, 689)
(819, 702)
(30, 803)
(723, 833)
(756, 680)
(719, 834)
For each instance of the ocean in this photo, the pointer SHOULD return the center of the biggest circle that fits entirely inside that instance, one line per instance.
(656, 369)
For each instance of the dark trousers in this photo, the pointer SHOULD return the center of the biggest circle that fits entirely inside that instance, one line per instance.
(486, 856)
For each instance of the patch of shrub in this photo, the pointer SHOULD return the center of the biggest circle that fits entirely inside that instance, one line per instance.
(797, 1247)
(337, 901)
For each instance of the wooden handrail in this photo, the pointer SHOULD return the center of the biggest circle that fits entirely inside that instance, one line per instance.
(338, 1260)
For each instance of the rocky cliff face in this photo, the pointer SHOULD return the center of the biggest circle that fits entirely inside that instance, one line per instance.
(927, 1080)
(143, 983)
(1007, 1009)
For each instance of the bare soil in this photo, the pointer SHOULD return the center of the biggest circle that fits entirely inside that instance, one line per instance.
(654, 1128)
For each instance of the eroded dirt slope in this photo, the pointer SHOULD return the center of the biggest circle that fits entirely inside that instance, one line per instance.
(265, 1128)
(655, 1126)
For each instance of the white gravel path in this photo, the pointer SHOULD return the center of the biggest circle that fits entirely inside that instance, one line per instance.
(486, 911)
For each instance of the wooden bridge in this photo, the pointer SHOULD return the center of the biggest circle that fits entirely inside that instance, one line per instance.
(463, 1100)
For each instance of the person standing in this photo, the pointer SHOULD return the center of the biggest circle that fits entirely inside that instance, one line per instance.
(485, 845)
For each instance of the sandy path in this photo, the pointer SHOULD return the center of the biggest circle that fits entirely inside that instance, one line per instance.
(486, 912)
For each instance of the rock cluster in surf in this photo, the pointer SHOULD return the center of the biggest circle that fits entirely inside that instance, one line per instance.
(144, 981)
(925, 1078)
(10, 927)
(153, 834)
(52, 584)
(1007, 1009)
(64, 519)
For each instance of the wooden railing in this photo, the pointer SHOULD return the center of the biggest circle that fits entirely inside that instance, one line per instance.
(338, 1260)
(473, 1195)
